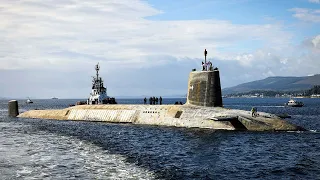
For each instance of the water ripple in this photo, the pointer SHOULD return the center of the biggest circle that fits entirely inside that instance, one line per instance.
(46, 149)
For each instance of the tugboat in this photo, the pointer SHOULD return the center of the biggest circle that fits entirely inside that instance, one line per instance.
(29, 101)
(294, 103)
(98, 94)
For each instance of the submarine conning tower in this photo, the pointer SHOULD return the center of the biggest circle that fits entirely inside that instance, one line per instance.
(204, 87)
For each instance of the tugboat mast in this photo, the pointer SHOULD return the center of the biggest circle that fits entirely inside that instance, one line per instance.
(97, 81)
(97, 69)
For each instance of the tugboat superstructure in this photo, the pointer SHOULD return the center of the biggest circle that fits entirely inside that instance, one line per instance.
(98, 93)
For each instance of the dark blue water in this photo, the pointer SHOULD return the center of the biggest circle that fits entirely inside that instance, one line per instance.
(40, 149)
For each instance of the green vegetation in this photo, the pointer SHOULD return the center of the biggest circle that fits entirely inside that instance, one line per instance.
(314, 90)
(269, 93)
(276, 84)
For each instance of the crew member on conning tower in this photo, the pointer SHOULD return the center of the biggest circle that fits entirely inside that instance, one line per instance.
(206, 64)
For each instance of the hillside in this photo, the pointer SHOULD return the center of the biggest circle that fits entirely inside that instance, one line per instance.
(276, 84)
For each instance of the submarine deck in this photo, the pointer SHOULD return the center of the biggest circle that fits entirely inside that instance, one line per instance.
(168, 115)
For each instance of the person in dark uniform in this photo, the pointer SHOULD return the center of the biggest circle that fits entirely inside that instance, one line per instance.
(254, 112)
(145, 100)
(154, 100)
(150, 100)
(160, 100)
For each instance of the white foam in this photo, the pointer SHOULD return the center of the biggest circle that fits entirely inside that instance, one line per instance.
(49, 155)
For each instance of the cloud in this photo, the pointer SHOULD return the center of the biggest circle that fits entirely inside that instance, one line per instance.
(312, 44)
(51, 47)
(308, 15)
(315, 1)
(63, 33)
(316, 42)
(298, 60)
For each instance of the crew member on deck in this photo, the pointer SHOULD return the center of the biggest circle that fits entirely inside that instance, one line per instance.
(154, 100)
(254, 112)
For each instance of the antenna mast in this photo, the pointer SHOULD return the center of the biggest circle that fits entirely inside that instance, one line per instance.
(205, 58)
(97, 69)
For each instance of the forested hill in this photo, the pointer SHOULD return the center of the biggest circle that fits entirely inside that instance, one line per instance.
(277, 83)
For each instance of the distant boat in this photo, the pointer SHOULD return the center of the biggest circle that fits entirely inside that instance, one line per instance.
(29, 101)
(294, 103)
(54, 98)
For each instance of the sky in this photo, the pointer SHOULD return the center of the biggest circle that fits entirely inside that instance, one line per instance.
(48, 48)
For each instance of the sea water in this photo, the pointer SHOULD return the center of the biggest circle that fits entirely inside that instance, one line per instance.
(50, 149)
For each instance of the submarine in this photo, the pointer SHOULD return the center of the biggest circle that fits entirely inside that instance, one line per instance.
(203, 109)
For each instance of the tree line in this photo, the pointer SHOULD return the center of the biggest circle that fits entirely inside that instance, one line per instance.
(270, 93)
(314, 90)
